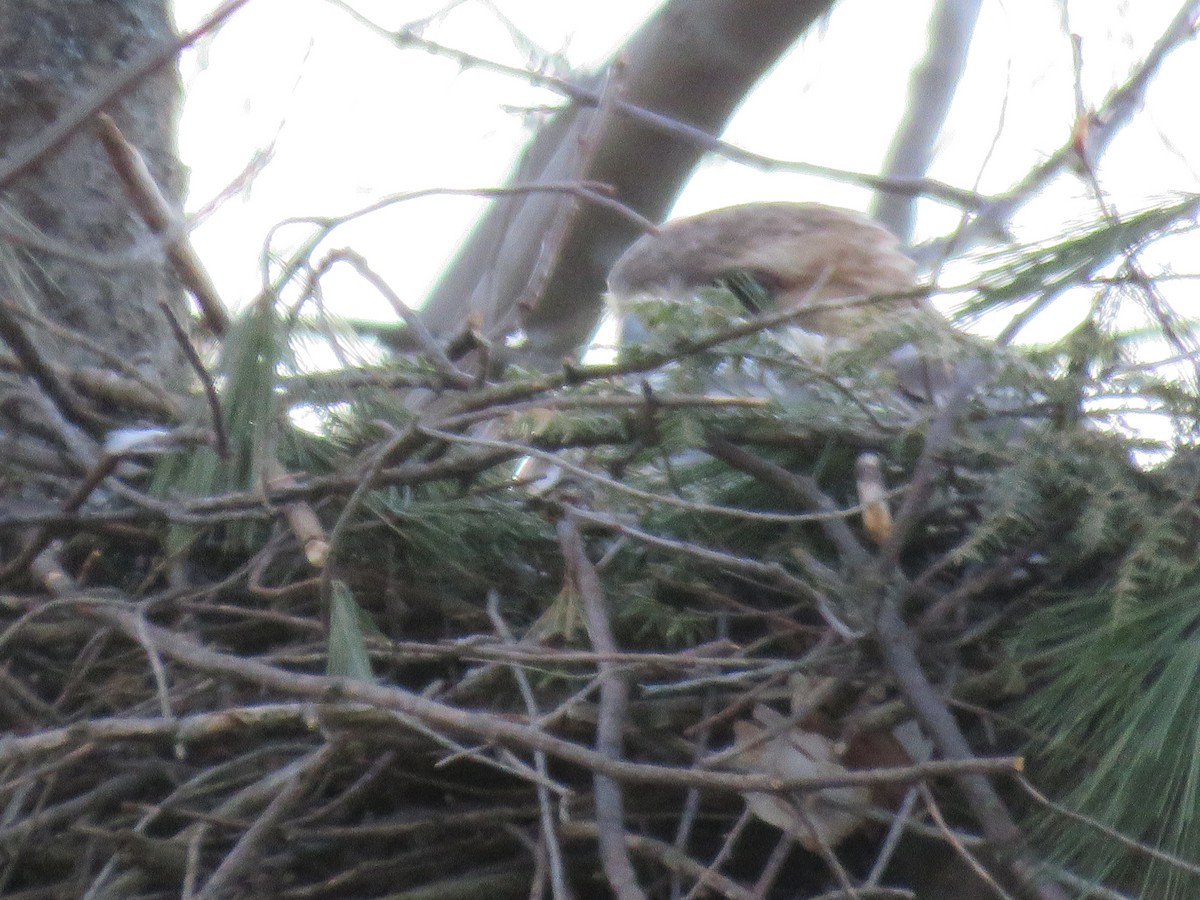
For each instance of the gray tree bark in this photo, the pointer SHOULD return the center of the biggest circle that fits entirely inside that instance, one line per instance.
(71, 207)
(539, 261)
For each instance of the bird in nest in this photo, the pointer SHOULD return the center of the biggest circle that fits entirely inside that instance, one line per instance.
(846, 277)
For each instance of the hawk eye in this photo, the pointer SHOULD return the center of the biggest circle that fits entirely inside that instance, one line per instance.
(753, 290)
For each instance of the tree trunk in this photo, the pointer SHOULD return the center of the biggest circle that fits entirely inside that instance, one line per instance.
(72, 252)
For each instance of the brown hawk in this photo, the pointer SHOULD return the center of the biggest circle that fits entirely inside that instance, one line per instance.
(795, 255)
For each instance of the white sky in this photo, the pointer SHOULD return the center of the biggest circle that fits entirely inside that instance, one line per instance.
(355, 119)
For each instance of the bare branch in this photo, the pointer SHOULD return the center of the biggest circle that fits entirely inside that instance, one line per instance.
(930, 93)
(1109, 119)
(614, 699)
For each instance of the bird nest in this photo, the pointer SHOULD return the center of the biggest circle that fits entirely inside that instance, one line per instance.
(603, 631)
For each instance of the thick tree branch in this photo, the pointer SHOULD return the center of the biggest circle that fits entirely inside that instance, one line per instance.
(930, 93)
(714, 48)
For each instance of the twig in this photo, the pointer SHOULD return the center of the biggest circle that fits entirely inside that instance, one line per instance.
(1125, 841)
(1113, 114)
(647, 496)
(682, 348)
(939, 437)
(366, 482)
(591, 191)
(57, 389)
(558, 879)
(896, 645)
(216, 416)
(301, 517)
(700, 734)
(707, 877)
(614, 699)
(584, 96)
(969, 858)
(894, 639)
(110, 364)
(770, 871)
(892, 840)
(249, 848)
(773, 574)
(801, 489)
(872, 497)
(159, 671)
(115, 389)
(248, 505)
(702, 877)
(500, 728)
(163, 220)
(425, 340)
(584, 148)
(37, 540)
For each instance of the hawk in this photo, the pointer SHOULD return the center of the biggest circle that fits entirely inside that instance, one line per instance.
(795, 256)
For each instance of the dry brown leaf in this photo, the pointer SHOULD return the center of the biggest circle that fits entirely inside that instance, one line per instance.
(813, 818)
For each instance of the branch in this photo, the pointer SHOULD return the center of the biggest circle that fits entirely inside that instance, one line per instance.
(1113, 115)
(486, 726)
(614, 701)
(249, 849)
(164, 221)
(930, 93)
(416, 327)
(584, 96)
(68, 403)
